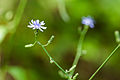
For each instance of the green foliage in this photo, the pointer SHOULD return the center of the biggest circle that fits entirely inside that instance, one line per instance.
(3, 32)
(62, 20)
(18, 73)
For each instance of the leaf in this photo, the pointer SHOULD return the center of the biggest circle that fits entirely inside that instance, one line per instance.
(3, 33)
(18, 73)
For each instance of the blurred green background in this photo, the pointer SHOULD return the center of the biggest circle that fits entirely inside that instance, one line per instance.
(62, 18)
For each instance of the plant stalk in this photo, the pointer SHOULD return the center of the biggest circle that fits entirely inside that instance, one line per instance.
(106, 60)
(79, 48)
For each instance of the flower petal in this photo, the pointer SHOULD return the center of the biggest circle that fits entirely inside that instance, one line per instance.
(32, 21)
(91, 25)
(34, 28)
(30, 26)
(42, 23)
(40, 29)
(43, 27)
(37, 21)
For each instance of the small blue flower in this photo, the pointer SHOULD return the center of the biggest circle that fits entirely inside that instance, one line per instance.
(88, 21)
(36, 25)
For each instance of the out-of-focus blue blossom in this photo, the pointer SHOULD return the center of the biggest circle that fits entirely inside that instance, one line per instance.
(88, 21)
(37, 25)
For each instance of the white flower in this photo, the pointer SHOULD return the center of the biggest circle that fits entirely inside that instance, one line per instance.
(37, 25)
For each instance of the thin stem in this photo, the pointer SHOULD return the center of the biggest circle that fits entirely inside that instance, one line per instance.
(51, 58)
(106, 60)
(36, 34)
(79, 48)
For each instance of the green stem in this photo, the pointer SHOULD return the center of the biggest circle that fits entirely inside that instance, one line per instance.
(51, 58)
(106, 60)
(18, 15)
(62, 10)
(79, 48)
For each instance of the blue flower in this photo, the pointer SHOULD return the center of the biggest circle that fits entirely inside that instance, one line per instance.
(88, 21)
(37, 25)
